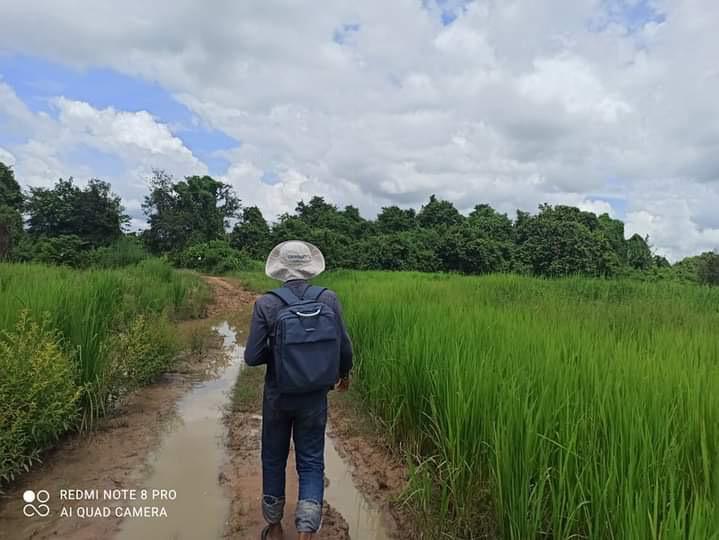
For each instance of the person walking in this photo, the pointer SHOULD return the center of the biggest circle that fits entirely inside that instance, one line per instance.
(298, 332)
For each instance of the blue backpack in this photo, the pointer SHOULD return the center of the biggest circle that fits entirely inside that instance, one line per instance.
(306, 344)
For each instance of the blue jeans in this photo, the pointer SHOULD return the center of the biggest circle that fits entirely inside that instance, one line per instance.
(306, 425)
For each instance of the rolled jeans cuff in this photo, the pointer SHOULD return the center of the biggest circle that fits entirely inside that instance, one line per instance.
(273, 509)
(308, 516)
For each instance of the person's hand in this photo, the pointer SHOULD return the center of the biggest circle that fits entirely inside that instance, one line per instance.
(343, 384)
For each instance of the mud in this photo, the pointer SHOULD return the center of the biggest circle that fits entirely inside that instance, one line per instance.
(115, 455)
(377, 470)
(229, 298)
(189, 458)
(186, 434)
(364, 518)
(244, 479)
(349, 511)
(112, 457)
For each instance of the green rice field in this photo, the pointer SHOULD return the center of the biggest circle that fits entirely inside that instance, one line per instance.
(530, 408)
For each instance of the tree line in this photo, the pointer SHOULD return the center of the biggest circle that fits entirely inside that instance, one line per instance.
(199, 222)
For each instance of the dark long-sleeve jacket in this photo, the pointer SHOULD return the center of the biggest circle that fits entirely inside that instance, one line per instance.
(258, 349)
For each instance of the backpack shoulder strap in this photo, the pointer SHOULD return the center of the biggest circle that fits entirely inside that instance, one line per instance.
(313, 292)
(285, 294)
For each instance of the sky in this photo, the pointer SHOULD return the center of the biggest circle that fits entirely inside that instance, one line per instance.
(609, 105)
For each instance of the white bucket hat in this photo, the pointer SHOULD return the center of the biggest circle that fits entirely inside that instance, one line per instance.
(294, 259)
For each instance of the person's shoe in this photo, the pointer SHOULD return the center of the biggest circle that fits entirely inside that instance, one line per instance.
(273, 532)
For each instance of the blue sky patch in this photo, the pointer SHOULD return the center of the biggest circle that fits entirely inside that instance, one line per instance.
(8, 138)
(37, 82)
(618, 204)
(270, 177)
(344, 32)
(207, 145)
(631, 14)
(449, 10)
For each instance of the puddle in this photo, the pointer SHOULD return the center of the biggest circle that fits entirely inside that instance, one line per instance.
(189, 460)
(364, 520)
(192, 453)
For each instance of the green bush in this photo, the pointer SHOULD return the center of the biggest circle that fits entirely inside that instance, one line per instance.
(147, 349)
(215, 257)
(89, 307)
(126, 251)
(71, 250)
(106, 332)
(67, 250)
(38, 394)
(708, 269)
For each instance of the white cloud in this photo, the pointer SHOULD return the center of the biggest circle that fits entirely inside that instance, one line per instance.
(138, 138)
(680, 218)
(6, 157)
(140, 142)
(571, 82)
(109, 127)
(513, 103)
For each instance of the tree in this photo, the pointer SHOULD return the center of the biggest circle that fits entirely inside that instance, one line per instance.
(562, 241)
(708, 269)
(393, 219)
(93, 213)
(639, 254)
(10, 230)
(490, 223)
(317, 213)
(613, 231)
(352, 224)
(466, 249)
(289, 227)
(337, 248)
(661, 262)
(10, 192)
(438, 213)
(686, 270)
(407, 250)
(192, 211)
(570, 214)
(11, 202)
(321, 224)
(252, 233)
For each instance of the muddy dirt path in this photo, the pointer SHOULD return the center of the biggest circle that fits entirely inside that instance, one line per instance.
(183, 435)
(118, 454)
(363, 480)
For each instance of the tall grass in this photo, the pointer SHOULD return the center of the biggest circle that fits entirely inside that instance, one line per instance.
(73, 342)
(87, 307)
(570, 409)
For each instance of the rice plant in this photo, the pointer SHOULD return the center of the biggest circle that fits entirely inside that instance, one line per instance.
(575, 408)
